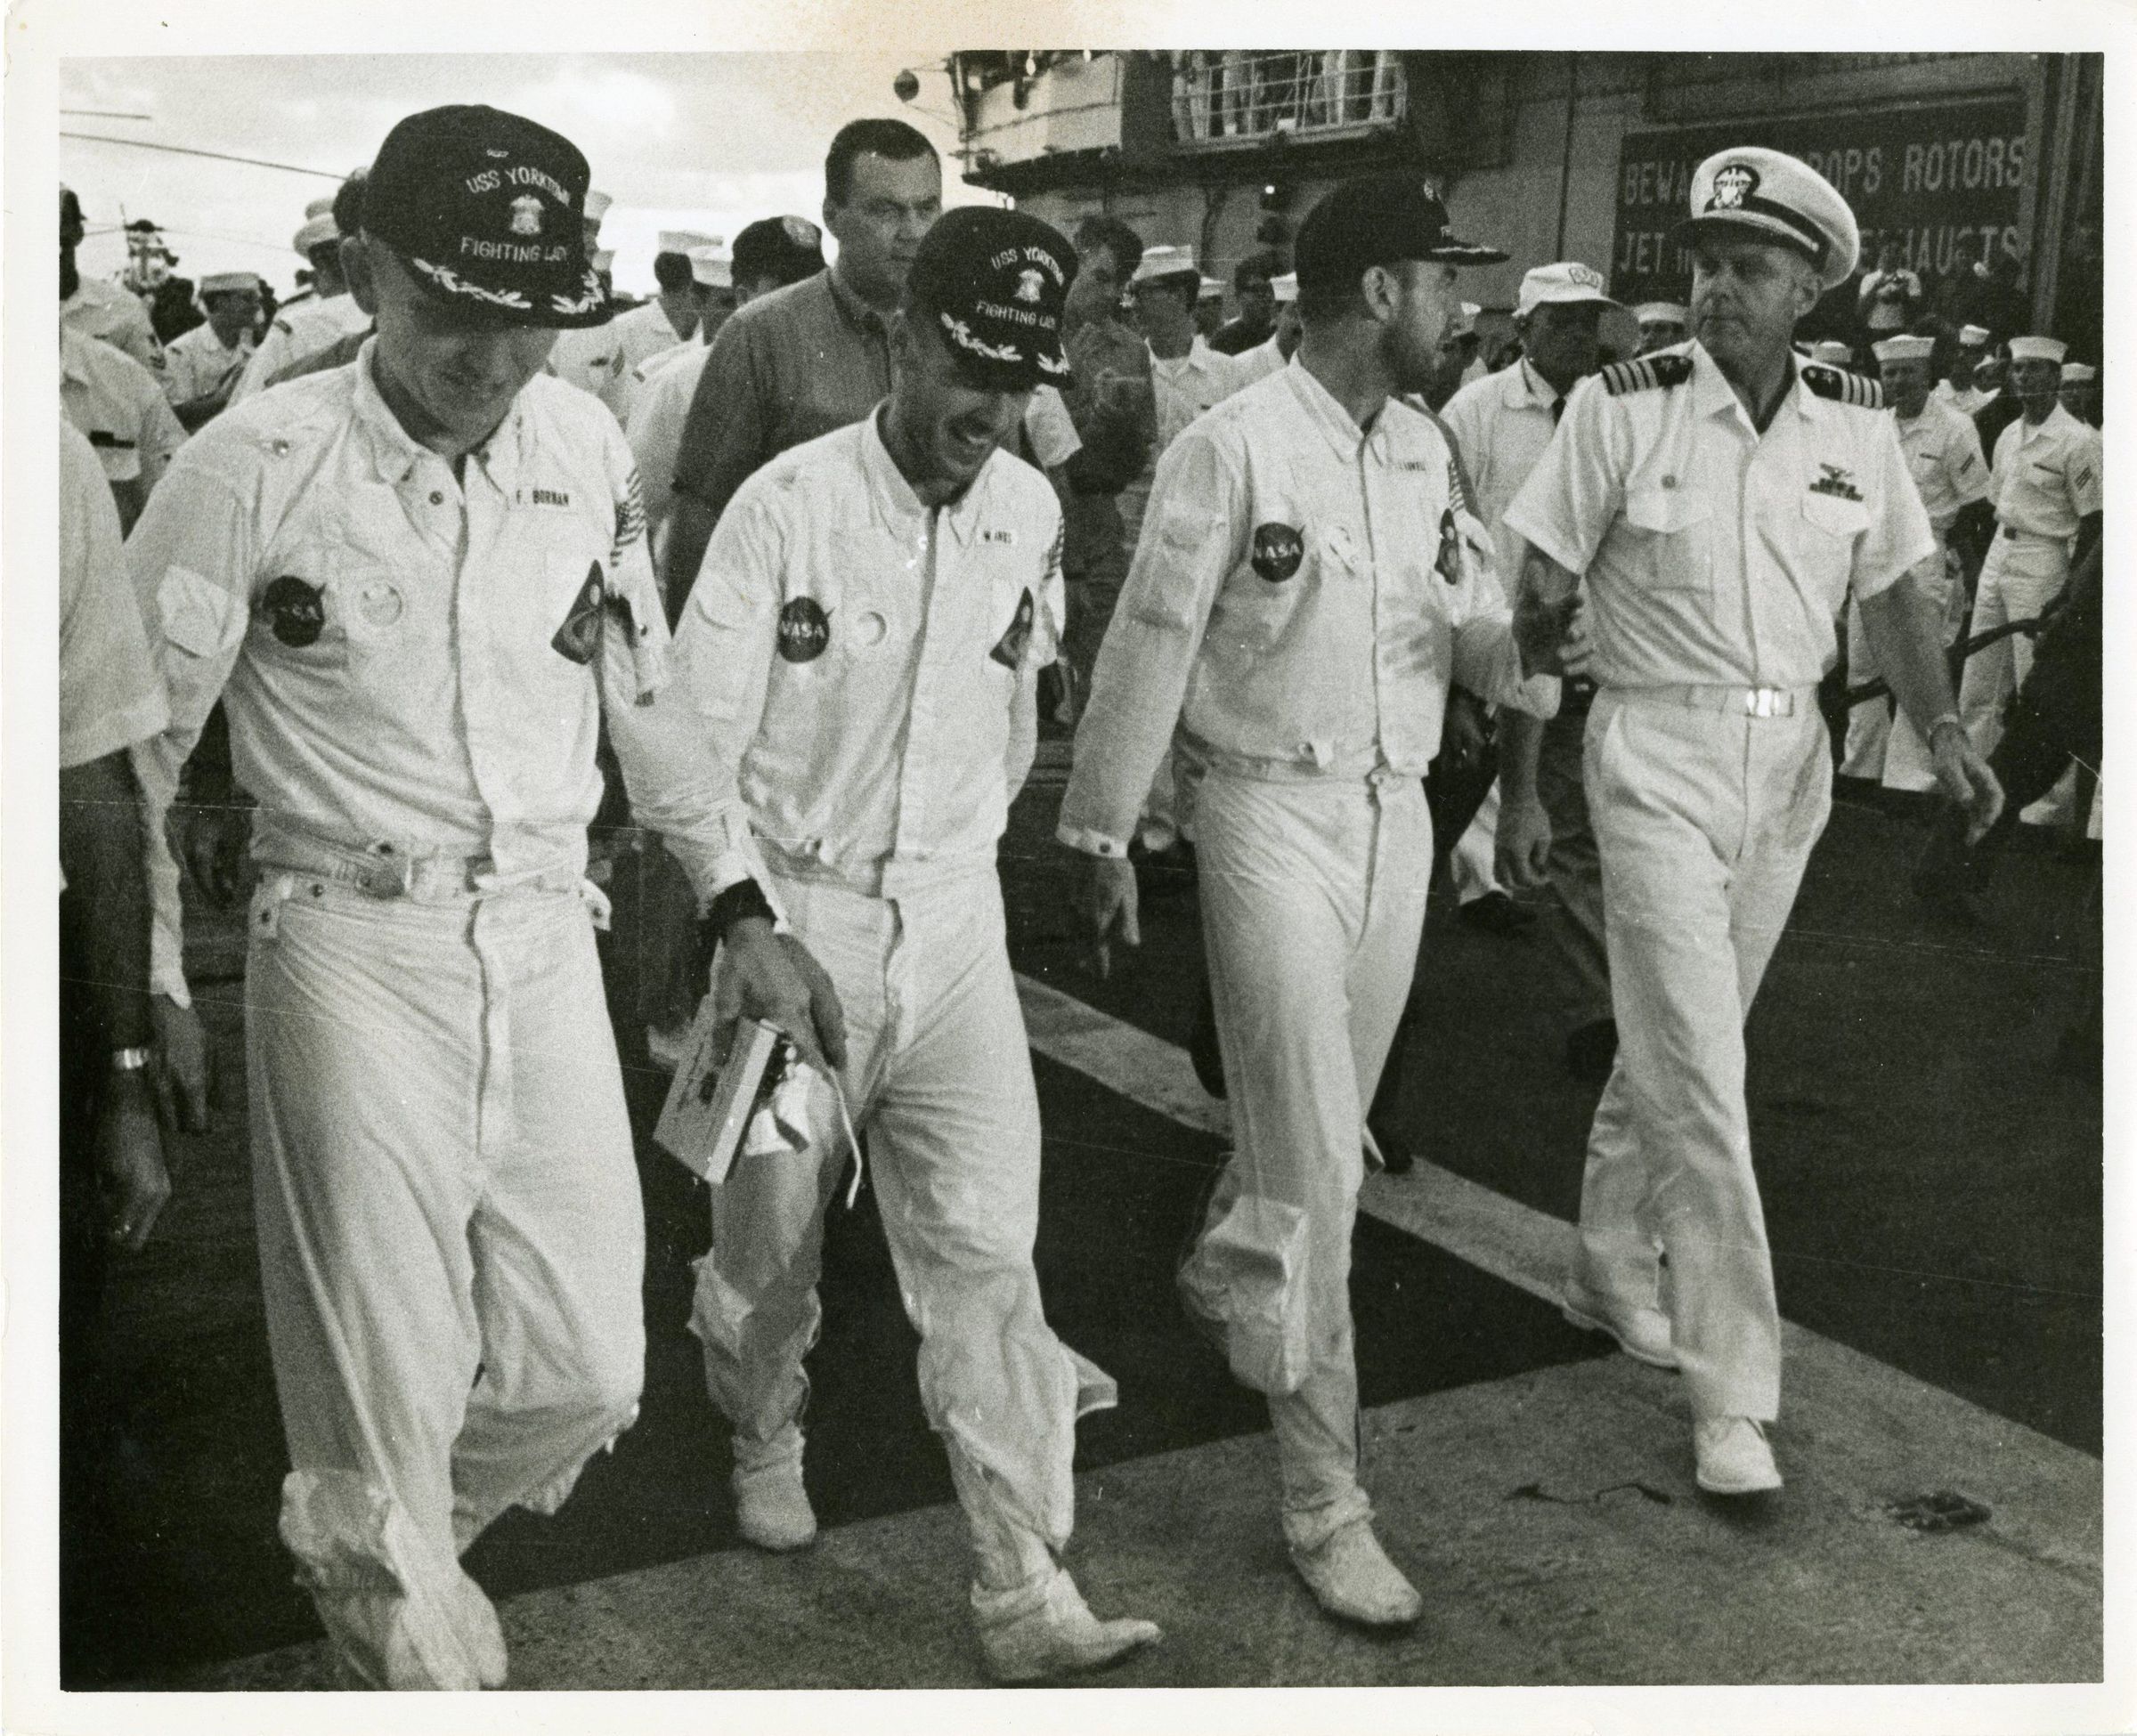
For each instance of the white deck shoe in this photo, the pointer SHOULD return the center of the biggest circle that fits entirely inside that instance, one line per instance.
(1057, 1635)
(1351, 1576)
(1643, 1333)
(771, 1506)
(1733, 1456)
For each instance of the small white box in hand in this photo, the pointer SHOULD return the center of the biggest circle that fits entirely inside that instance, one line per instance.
(710, 1105)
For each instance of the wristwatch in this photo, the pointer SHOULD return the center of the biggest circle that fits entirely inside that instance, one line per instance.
(1935, 724)
(129, 1060)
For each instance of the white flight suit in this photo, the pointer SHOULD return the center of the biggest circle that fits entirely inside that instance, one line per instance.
(1303, 596)
(448, 1220)
(1715, 561)
(2047, 477)
(1944, 456)
(870, 664)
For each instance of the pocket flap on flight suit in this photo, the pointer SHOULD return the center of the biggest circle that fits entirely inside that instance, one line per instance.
(198, 614)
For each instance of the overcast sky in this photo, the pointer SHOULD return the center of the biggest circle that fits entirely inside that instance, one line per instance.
(704, 142)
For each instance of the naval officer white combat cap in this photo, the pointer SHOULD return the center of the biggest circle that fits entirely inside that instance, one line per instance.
(1749, 190)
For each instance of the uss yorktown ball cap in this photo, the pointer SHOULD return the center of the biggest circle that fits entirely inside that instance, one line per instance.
(488, 209)
(1376, 219)
(1777, 198)
(995, 282)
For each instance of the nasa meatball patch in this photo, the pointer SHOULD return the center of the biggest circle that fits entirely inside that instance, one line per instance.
(1278, 549)
(296, 611)
(804, 630)
(1009, 649)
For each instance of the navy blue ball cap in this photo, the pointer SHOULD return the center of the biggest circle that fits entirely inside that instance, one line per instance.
(1377, 220)
(488, 209)
(786, 249)
(994, 283)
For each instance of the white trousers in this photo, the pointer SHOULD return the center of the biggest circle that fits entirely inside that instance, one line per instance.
(939, 1075)
(452, 1245)
(1705, 820)
(1313, 907)
(2019, 578)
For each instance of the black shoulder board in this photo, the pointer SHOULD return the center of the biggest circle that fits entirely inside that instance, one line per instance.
(1842, 386)
(1646, 372)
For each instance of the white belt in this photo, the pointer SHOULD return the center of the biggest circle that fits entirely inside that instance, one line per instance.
(1750, 702)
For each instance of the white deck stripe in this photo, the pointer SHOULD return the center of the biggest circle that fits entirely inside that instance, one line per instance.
(1512, 1242)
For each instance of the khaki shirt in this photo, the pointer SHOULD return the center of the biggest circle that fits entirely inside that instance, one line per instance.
(1303, 598)
(870, 663)
(2047, 475)
(119, 406)
(196, 365)
(295, 334)
(1714, 556)
(115, 316)
(413, 660)
(788, 367)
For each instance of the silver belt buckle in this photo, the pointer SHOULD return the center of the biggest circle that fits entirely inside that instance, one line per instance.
(1766, 702)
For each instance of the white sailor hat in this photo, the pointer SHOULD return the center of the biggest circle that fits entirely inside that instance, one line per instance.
(1284, 287)
(316, 232)
(1167, 261)
(1566, 282)
(1463, 323)
(1987, 369)
(681, 240)
(602, 259)
(2079, 373)
(1778, 199)
(1906, 346)
(1832, 352)
(712, 266)
(1656, 313)
(2037, 349)
(320, 207)
(1973, 337)
(225, 283)
(1212, 287)
(597, 205)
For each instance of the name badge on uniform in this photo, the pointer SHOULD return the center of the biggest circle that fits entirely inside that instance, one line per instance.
(1278, 549)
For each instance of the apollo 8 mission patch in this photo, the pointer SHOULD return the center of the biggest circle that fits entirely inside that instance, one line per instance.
(1278, 549)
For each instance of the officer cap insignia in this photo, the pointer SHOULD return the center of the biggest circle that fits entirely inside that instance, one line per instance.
(579, 637)
(1646, 373)
(295, 611)
(1009, 650)
(1447, 562)
(1842, 386)
(1278, 549)
(1734, 183)
(804, 630)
